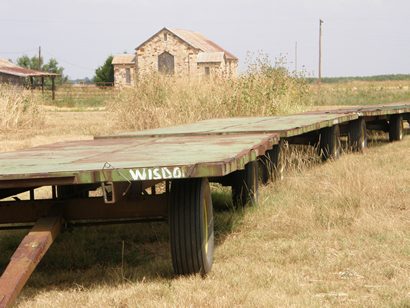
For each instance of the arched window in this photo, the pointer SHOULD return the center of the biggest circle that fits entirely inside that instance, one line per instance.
(166, 63)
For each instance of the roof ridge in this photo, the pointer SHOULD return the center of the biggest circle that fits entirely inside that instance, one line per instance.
(195, 39)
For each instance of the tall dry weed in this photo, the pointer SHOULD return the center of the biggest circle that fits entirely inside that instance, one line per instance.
(158, 101)
(19, 108)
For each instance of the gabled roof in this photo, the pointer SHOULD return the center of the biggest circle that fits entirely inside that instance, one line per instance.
(199, 41)
(10, 68)
(195, 40)
(123, 59)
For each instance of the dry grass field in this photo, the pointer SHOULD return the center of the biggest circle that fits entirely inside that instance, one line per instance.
(57, 125)
(334, 234)
(360, 92)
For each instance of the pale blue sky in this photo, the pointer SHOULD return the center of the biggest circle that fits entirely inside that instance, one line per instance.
(360, 37)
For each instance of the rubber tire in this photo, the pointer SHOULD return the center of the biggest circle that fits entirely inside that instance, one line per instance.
(191, 239)
(330, 146)
(71, 192)
(357, 135)
(396, 128)
(245, 185)
(272, 164)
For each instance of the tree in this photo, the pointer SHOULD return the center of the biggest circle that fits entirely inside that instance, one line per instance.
(105, 73)
(31, 63)
(24, 61)
(51, 66)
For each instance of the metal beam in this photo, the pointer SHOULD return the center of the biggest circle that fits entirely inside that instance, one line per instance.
(27, 256)
(84, 209)
(35, 182)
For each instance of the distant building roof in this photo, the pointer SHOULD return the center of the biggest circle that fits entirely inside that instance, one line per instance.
(199, 41)
(10, 68)
(210, 57)
(123, 59)
(6, 63)
(196, 40)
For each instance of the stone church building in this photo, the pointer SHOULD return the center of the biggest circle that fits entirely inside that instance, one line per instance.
(175, 52)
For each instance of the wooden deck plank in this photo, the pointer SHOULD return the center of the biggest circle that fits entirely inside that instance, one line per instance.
(285, 126)
(119, 159)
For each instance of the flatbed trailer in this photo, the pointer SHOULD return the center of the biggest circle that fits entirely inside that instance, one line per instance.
(322, 128)
(287, 126)
(162, 174)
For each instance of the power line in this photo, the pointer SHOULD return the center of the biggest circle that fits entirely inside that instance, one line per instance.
(18, 52)
(35, 50)
(69, 63)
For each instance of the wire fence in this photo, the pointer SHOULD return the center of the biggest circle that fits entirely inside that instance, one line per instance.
(79, 95)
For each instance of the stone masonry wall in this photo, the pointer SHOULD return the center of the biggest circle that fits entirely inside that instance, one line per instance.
(231, 68)
(184, 54)
(215, 69)
(120, 74)
(185, 58)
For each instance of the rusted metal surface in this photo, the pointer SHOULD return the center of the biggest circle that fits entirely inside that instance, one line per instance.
(285, 126)
(74, 210)
(7, 67)
(26, 258)
(131, 159)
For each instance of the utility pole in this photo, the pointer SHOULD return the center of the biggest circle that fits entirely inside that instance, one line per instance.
(320, 51)
(296, 57)
(39, 58)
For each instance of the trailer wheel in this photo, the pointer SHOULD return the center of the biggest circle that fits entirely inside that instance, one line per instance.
(357, 135)
(191, 226)
(396, 127)
(272, 164)
(330, 142)
(245, 185)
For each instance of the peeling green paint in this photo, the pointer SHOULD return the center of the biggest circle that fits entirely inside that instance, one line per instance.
(130, 159)
(208, 148)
